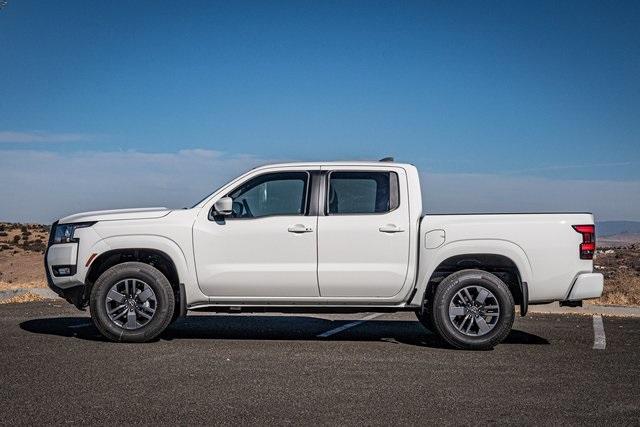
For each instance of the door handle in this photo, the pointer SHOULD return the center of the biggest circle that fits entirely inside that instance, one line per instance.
(390, 228)
(299, 228)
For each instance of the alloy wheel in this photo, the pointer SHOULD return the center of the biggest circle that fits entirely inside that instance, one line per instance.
(131, 303)
(474, 310)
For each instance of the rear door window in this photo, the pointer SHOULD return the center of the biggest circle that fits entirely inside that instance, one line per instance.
(362, 192)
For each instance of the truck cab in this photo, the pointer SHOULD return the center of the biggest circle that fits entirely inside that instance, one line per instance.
(307, 233)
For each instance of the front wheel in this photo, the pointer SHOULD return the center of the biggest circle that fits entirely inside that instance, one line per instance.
(473, 309)
(132, 302)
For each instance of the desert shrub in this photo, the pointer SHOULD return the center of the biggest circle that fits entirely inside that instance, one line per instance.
(16, 239)
(24, 229)
(622, 289)
(3, 234)
(35, 246)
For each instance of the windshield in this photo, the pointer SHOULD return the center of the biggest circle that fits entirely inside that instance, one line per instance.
(207, 195)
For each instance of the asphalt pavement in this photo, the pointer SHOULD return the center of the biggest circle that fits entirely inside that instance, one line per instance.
(294, 369)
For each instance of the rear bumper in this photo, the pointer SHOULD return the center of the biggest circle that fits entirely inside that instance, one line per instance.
(586, 286)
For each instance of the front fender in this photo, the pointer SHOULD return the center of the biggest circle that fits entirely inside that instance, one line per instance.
(159, 243)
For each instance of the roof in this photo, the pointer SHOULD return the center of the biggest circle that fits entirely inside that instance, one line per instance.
(334, 163)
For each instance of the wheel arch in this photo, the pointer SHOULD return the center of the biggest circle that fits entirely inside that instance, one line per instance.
(154, 257)
(504, 259)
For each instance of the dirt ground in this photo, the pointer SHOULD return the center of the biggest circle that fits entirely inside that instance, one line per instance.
(22, 248)
(621, 269)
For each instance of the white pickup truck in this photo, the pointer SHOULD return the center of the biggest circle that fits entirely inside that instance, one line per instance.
(321, 237)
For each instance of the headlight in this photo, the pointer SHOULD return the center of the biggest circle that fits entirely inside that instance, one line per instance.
(63, 233)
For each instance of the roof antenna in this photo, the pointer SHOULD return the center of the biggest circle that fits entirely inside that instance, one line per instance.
(386, 159)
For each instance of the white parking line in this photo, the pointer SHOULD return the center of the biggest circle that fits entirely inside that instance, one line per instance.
(599, 339)
(349, 325)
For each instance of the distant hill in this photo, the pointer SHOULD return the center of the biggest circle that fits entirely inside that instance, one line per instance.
(612, 228)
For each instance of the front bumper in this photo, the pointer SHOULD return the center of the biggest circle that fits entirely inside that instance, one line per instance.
(586, 286)
(65, 287)
(70, 285)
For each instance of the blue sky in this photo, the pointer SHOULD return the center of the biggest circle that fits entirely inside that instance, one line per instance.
(538, 100)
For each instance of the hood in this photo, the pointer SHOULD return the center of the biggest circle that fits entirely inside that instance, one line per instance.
(116, 214)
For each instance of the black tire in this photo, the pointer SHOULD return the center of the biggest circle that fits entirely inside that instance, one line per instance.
(164, 302)
(447, 291)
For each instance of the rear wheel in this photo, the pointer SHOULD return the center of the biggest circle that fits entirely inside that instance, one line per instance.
(132, 302)
(473, 309)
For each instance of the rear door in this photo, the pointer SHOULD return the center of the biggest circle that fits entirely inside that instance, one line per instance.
(363, 232)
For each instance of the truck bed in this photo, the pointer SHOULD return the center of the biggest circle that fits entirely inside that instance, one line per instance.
(544, 246)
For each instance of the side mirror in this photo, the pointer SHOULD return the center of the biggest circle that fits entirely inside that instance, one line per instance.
(223, 206)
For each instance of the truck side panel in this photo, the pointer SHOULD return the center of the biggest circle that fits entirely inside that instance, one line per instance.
(544, 247)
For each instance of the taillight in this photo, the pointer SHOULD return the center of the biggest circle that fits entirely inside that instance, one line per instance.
(588, 245)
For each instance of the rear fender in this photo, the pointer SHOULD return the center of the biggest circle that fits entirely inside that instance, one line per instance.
(430, 259)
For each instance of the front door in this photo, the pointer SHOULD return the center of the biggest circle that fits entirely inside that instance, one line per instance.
(267, 247)
(363, 236)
